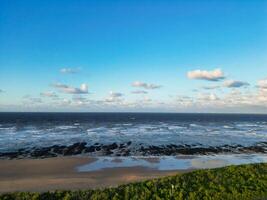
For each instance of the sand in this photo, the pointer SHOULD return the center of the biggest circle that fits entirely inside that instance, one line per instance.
(60, 174)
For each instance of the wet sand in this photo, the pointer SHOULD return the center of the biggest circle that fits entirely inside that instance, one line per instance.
(81, 172)
(60, 173)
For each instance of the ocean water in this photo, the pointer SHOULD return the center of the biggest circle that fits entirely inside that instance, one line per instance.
(29, 130)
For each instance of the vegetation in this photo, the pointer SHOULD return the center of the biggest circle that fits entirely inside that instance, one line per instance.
(233, 182)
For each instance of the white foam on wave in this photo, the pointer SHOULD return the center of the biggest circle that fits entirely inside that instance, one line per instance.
(228, 127)
(65, 127)
(147, 133)
(34, 131)
(8, 128)
(175, 127)
(126, 124)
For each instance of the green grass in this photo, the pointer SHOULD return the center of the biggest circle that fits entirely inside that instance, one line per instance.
(233, 182)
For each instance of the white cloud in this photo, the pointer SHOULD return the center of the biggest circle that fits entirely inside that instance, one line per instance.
(208, 97)
(1, 91)
(145, 85)
(214, 75)
(114, 97)
(115, 94)
(262, 96)
(69, 70)
(139, 92)
(234, 101)
(60, 85)
(184, 101)
(238, 98)
(71, 90)
(262, 83)
(235, 84)
(147, 99)
(211, 87)
(48, 94)
(66, 101)
(78, 100)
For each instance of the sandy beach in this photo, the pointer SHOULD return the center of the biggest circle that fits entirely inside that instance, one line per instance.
(60, 173)
(84, 172)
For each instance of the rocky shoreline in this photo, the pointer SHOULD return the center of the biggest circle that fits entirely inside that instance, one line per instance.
(128, 149)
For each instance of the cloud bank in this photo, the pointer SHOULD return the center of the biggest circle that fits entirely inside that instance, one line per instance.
(48, 94)
(145, 85)
(213, 87)
(262, 83)
(235, 84)
(114, 97)
(215, 75)
(71, 90)
(139, 92)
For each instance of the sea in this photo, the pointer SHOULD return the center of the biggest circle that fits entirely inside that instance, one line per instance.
(38, 130)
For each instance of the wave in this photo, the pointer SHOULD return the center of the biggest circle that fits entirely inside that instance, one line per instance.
(65, 127)
(146, 133)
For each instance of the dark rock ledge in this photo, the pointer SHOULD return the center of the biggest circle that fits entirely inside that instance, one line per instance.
(128, 149)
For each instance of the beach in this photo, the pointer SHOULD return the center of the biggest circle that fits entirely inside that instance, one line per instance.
(83, 172)
(40, 175)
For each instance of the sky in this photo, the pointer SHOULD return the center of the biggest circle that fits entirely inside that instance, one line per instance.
(133, 56)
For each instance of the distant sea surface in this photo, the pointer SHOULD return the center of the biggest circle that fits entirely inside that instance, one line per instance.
(38, 130)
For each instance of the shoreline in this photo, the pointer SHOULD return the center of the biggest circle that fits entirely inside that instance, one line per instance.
(50, 174)
(81, 172)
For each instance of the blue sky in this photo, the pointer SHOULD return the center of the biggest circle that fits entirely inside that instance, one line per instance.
(133, 56)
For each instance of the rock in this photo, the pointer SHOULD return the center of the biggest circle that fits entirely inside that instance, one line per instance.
(74, 149)
(98, 148)
(126, 153)
(125, 149)
(90, 149)
(108, 152)
(122, 146)
(10, 155)
(113, 146)
(57, 149)
(42, 152)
